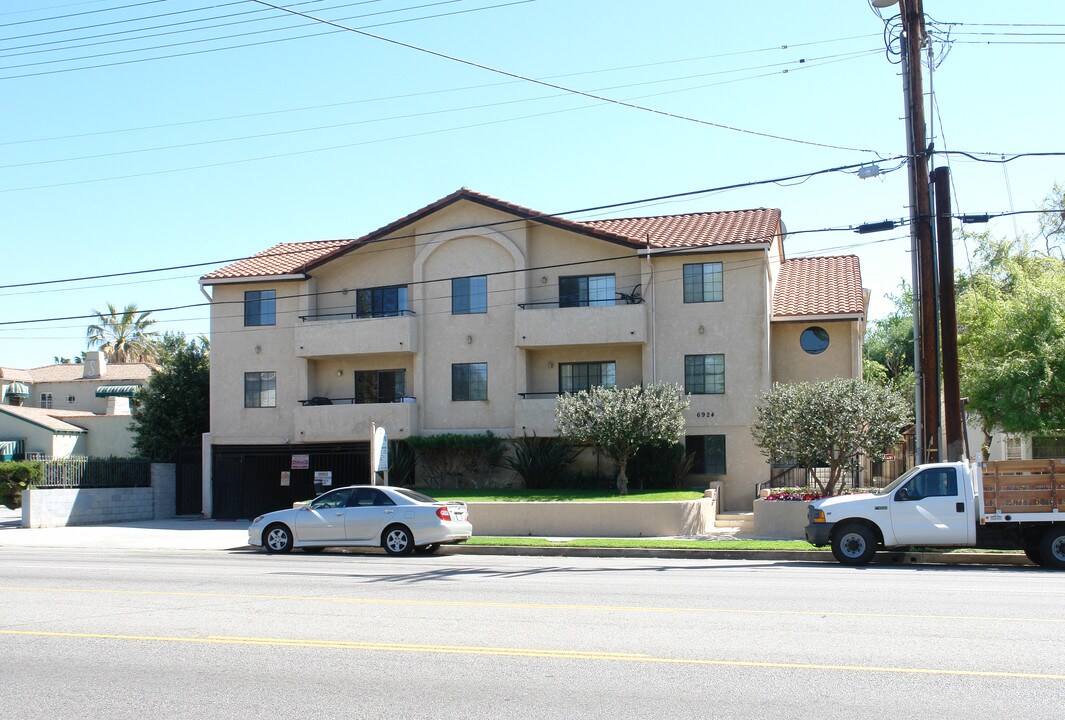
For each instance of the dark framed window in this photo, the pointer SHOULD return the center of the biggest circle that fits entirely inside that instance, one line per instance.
(942, 482)
(388, 301)
(709, 452)
(469, 381)
(704, 374)
(260, 307)
(260, 389)
(704, 282)
(574, 377)
(586, 291)
(380, 386)
(1048, 446)
(469, 295)
(46, 401)
(814, 340)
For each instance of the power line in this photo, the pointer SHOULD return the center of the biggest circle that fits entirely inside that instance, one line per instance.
(78, 14)
(534, 217)
(593, 96)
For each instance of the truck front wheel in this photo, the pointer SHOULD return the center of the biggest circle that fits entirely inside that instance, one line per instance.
(853, 544)
(1052, 548)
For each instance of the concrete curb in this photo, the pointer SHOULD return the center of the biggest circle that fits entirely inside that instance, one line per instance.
(817, 556)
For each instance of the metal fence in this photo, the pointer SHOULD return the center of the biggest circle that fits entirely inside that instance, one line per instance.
(82, 472)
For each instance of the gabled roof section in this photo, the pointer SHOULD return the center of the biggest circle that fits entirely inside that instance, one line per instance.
(283, 259)
(41, 418)
(114, 373)
(819, 286)
(7, 373)
(743, 227)
(739, 227)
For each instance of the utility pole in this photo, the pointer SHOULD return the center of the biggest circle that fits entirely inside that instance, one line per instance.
(926, 359)
(954, 449)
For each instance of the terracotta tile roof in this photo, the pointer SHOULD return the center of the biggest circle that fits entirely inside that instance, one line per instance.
(40, 417)
(283, 259)
(738, 227)
(829, 285)
(665, 231)
(115, 373)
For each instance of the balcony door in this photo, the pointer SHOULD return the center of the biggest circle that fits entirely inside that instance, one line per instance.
(380, 386)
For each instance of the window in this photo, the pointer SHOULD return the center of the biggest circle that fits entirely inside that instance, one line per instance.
(704, 374)
(381, 302)
(814, 340)
(260, 389)
(46, 401)
(709, 452)
(380, 386)
(335, 499)
(930, 483)
(586, 291)
(368, 497)
(469, 381)
(469, 295)
(71, 399)
(1014, 449)
(703, 282)
(260, 307)
(1048, 446)
(574, 377)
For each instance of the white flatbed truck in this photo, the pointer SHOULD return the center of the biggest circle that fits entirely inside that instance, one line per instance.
(1003, 505)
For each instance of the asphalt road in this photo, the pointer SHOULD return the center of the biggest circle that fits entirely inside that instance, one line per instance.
(128, 634)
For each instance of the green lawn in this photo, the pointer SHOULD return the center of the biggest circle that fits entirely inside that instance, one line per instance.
(523, 495)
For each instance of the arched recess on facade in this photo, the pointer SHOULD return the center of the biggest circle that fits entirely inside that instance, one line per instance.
(438, 240)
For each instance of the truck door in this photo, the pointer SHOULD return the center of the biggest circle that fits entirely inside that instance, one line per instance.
(930, 510)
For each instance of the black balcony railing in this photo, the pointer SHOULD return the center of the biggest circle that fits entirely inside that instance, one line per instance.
(319, 400)
(356, 316)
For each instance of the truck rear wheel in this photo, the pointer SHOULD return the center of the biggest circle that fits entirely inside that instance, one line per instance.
(853, 544)
(1052, 548)
(1032, 552)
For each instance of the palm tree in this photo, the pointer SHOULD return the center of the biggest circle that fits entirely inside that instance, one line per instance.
(124, 336)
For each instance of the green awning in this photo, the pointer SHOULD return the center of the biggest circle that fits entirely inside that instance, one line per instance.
(18, 390)
(117, 390)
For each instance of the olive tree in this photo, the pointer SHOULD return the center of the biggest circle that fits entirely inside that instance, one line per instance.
(829, 424)
(618, 421)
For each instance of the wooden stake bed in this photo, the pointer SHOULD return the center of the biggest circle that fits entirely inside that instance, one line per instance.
(1024, 486)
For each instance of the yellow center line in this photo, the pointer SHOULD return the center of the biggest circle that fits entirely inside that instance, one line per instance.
(527, 652)
(393, 602)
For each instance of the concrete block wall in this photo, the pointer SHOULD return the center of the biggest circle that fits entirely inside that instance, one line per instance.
(57, 507)
(164, 490)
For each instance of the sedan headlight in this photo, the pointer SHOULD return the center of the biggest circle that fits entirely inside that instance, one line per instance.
(257, 520)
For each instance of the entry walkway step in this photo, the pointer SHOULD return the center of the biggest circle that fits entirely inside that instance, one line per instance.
(742, 520)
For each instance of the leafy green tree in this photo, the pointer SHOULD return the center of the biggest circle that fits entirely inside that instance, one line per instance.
(889, 342)
(124, 336)
(829, 424)
(618, 421)
(1011, 345)
(173, 410)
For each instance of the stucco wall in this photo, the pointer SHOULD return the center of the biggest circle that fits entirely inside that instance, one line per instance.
(593, 519)
(108, 435)
(842, 358)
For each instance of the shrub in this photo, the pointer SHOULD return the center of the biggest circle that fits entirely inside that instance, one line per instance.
(16, 477)
(539, 461)
(453, 460)
(401, 463)
(660, 465)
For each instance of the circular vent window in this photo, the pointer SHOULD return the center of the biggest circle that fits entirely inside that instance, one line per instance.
(814, 340)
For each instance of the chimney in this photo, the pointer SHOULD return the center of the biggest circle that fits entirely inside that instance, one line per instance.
(95, 365)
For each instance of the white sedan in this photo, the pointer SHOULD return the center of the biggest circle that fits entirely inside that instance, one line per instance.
(397, 519)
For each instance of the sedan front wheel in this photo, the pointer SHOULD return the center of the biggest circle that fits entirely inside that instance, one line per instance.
(277, 539)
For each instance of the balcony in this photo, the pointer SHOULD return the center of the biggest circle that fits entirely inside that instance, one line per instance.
(346, 334)
(350, 422)
(535, 413)
(547, 325)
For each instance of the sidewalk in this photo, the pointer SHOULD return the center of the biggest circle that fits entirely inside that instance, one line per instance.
(197, 534)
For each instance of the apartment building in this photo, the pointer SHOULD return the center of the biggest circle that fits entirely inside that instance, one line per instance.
(473, 313)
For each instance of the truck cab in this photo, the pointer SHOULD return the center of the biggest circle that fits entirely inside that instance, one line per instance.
(932, 504)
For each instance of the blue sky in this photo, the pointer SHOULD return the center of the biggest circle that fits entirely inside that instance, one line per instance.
(218, 152)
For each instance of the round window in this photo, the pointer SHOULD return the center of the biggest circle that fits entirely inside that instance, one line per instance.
(814, 340)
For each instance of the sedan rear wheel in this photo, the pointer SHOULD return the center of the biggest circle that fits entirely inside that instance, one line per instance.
(277, 539)
(397, 540)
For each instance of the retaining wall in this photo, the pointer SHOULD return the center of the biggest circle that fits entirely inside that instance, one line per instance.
(785, 519)
(59, 507)
(594, 519)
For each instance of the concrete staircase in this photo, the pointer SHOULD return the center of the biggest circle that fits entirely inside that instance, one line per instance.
(742, 521)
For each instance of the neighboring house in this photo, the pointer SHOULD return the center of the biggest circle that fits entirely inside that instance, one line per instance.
(70, 409)
(1015, 447)
(472, 314)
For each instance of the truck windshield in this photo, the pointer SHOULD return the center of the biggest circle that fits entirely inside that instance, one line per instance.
(898, 481)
